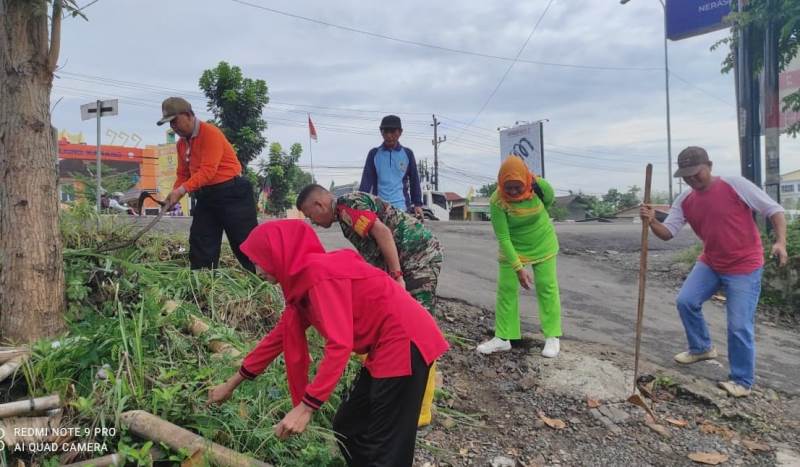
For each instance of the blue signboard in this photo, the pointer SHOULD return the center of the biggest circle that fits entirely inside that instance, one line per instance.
(688, 18)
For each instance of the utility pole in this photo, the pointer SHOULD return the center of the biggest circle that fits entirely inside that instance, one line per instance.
(747, 106)
(98, 109)
(772, 109)
(436, 142)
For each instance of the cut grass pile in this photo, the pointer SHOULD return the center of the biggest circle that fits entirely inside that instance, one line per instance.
(128, 347)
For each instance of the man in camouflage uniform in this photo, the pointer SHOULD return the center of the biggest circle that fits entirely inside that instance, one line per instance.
(386, 237)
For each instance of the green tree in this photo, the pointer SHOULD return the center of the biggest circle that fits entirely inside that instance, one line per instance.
(659, 197)
(284, 178)
(487, 190)
(758, 13)
(612, 198)
(299, 178)
(613, 201)
(255, 181)
(237, 104)
(629, 199)
(557, 212)
(112, 181)
(600, 208)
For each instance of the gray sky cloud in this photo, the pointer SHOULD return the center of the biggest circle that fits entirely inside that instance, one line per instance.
(604, 124)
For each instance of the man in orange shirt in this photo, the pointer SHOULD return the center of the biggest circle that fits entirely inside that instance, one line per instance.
(208, 168)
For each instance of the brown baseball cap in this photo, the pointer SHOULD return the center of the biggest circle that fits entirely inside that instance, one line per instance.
(171, 107)
(691, 160)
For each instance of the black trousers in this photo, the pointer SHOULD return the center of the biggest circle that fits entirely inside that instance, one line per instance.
(229, 206)
(376, 424)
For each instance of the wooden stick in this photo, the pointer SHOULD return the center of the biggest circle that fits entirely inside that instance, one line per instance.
(153, 428)
(642, 275)
(10, 367)
(133, 239)
(7, 353)
(29, 406)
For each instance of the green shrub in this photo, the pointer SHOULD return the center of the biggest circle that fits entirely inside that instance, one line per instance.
(558, 213)
(781, 286)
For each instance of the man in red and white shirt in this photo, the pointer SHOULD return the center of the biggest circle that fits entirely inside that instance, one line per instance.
(720, 211)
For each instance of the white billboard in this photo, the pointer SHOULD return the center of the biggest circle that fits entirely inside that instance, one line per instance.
(524, 141)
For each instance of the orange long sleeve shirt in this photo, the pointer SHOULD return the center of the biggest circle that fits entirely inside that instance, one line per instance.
(205, 159)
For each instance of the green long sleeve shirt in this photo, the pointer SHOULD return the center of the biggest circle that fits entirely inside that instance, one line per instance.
(523, 229)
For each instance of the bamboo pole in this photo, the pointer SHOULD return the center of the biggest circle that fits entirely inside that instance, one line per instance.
(29, 406)
(150, 427)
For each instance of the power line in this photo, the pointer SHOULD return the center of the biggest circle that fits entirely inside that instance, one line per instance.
(439, 47)
(713, 96)
(591, 150)
(510, 66)
(271, 118)
(343, 129)
(583, 156)
(163, 90)
(494, 132)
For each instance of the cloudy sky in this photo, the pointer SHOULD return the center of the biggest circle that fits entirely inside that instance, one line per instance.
(593, 68)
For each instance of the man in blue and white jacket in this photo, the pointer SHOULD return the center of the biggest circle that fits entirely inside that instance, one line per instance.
(391, 170)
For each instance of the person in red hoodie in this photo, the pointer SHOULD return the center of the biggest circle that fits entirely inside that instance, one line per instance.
(355, 307)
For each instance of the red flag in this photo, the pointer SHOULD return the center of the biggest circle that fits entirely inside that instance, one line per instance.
(312, 132)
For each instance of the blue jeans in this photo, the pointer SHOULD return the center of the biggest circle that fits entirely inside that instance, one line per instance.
(742, 292)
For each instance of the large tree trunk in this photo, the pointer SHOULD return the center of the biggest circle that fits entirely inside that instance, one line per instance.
(31, 263)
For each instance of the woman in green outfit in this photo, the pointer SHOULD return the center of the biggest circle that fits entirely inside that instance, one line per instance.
(526, 238)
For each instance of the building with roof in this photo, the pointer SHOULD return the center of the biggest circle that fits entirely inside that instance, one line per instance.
(790, 190)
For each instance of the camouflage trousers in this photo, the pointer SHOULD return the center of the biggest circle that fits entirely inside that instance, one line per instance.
(421, 274)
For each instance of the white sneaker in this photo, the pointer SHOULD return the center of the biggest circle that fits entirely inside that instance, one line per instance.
(495, 344)
(551, 347)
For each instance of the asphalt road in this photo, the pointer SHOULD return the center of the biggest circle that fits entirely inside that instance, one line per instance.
(599, 300)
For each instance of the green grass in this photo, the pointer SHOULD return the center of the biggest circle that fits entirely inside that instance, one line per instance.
(689, 255)
(124, 351)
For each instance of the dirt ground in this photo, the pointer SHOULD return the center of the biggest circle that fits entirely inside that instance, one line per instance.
(670, 268)
(508, 409)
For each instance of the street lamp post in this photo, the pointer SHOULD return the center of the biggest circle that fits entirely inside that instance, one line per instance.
(666, 85)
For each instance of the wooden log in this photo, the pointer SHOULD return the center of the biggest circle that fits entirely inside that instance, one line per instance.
(113, 460)
(29, 406)
(224, 348)
(197, 327)
(26, 430)
(150, 427)
(7, 353)
(105, 461)
(10, 367)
